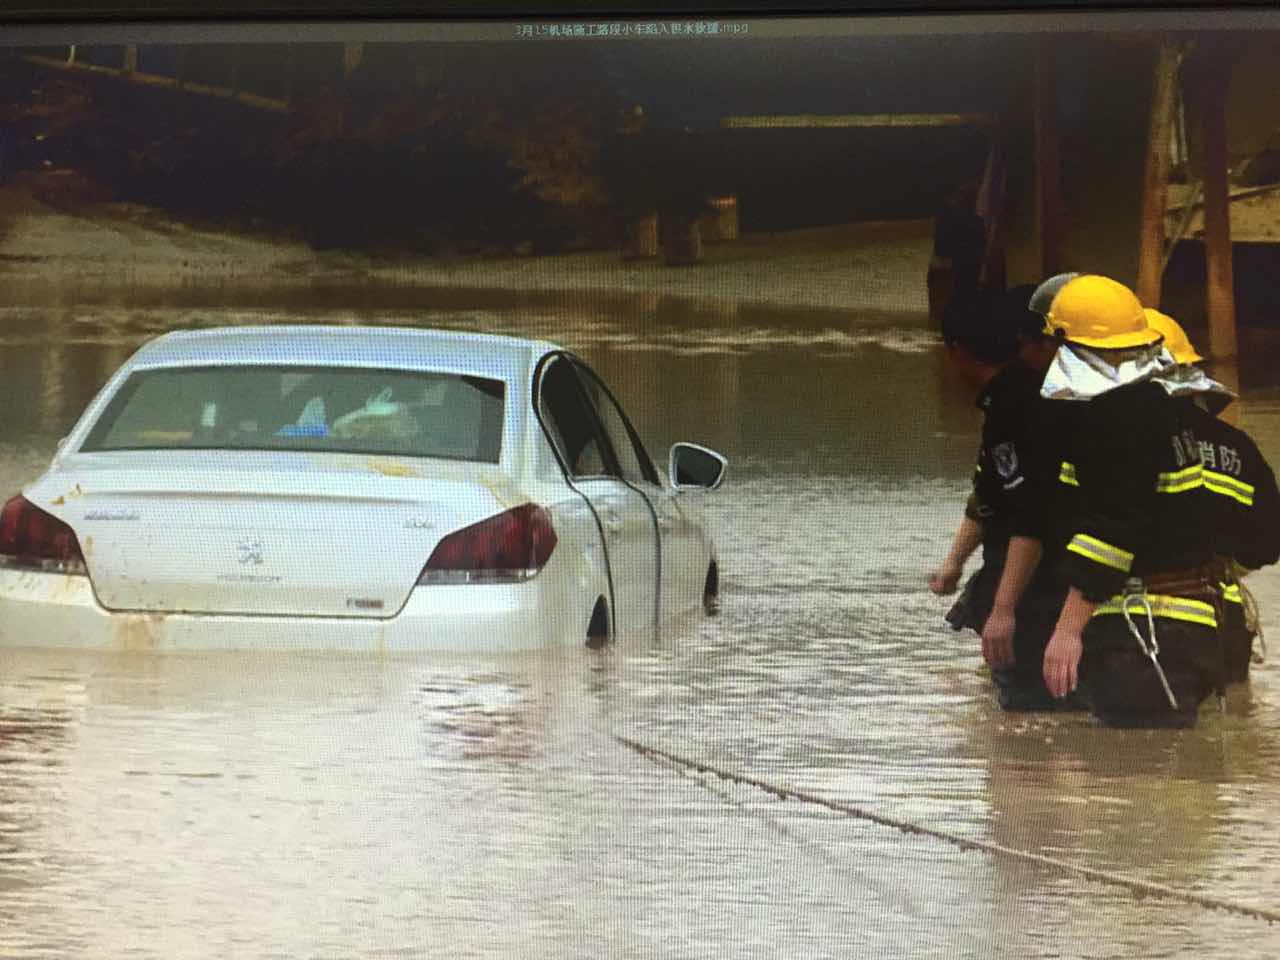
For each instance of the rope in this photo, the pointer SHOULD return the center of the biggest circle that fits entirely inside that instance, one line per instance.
(1140, 888)
(1135, 592)
(1252, 615)
(899, 899)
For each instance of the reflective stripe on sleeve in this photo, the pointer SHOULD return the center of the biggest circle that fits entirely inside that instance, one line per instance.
(1099, 551)
(1171, 608)
(1227, 486)
(1180, 481)
(1231, 593)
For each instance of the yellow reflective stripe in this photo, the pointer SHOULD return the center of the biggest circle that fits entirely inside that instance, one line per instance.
(1229, 487)
(1099, 551)
(1180, 481)
(1231, 592)
(1171, 608)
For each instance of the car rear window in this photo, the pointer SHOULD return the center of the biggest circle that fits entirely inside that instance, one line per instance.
(334, 409)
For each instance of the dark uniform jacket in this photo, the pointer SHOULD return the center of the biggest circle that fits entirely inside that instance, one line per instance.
(1015, 485)
(1133, 457)
(1016, 493)
(1240, 489)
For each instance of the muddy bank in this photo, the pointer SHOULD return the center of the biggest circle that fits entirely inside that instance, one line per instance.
(870, 266)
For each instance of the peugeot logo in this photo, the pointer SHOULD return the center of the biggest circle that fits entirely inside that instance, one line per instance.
(250, 551)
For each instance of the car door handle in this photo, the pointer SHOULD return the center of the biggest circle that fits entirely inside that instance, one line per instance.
(666, 524)
(612, 522)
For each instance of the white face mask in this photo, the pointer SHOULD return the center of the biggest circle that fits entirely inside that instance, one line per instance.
(1185, 380)
(1079, 373)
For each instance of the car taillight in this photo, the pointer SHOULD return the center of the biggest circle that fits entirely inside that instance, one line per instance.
(36, 540)
(512, 546)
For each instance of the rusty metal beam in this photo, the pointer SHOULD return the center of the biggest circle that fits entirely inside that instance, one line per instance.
(820, 121)
(253, 100)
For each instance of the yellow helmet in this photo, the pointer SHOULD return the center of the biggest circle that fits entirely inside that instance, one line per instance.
(1096, 311)
(1175, 338)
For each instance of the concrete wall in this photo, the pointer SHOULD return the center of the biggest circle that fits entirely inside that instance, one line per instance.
(1103, 89)
(1253, 104)
(1104, 148)
(1023, 256)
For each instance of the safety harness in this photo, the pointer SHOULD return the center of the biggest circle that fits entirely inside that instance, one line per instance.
(1194, 596)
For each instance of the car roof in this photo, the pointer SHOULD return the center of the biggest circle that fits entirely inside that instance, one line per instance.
(508, 358)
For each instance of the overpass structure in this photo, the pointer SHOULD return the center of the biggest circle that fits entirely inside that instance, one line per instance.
(1082, 156)
(222, 72)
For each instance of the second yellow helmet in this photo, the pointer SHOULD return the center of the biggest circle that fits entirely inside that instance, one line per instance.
(1175, 338)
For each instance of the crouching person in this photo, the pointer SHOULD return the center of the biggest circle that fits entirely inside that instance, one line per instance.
(1014, 599)
(1240, 491)
(1140, 619)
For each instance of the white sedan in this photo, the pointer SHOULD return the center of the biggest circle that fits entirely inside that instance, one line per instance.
(359, 488)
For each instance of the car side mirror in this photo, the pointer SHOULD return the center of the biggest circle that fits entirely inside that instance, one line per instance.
(692, 467)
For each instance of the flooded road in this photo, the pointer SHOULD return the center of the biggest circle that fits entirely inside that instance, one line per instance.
(314, 805)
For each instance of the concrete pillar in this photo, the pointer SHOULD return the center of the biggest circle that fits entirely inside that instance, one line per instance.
(1220, 289)
(1092, 210)
(1155, 189)
(640, 238)
(721, 223)
(352, 55)
(1048, 160)
(681, 239)
(991, 204)
(1023, 261)
(289, 61)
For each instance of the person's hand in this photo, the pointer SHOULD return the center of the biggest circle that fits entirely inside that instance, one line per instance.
(944, 580)
(1062, 662)
(997, 638)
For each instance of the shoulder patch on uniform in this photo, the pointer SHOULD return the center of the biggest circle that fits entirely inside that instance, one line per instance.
(1006, 459)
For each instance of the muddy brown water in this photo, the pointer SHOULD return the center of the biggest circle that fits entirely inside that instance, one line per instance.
(324, 805)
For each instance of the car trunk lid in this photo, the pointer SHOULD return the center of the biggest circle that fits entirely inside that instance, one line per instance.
(276, 535)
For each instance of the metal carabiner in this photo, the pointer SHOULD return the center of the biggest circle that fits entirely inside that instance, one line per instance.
(1149, 649)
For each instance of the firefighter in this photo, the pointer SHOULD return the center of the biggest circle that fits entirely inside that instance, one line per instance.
(1139, 621)
(1240, 488)
(1013, 600)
